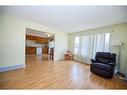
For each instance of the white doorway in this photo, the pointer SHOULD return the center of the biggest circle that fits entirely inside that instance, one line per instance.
(39, 46)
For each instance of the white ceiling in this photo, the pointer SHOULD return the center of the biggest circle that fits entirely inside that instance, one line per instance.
(70, 18)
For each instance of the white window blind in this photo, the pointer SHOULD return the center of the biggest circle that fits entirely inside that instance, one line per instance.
(86, 43)
(76, 45)
(90, 44)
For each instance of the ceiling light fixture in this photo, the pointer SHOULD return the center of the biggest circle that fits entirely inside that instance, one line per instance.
(48, 35)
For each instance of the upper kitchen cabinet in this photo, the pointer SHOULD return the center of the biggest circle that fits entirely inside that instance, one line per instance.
(37, 39)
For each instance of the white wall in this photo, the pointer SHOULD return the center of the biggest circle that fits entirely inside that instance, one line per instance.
(118, 32)
(12, 39)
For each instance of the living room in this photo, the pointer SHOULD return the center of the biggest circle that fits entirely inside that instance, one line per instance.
(94, 37)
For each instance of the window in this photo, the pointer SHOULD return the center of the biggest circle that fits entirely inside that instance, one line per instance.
(101, 43)
(85, 50)
(76, 45)
(107, 41)
(90, 44)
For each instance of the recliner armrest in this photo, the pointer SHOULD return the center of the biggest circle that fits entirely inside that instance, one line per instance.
(111, 64)
(93, 60)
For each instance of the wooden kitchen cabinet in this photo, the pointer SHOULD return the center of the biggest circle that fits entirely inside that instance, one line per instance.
(30, 50)
(37, 39)
(45, 50)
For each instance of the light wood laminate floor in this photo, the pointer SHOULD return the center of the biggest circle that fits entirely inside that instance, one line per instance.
(45, 74)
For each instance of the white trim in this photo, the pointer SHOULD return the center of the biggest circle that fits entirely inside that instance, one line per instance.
(7, 68)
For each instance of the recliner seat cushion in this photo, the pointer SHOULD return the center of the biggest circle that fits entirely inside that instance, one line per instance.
(102, 66)
(103, 60)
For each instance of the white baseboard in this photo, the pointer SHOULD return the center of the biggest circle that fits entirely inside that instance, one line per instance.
(2, 69)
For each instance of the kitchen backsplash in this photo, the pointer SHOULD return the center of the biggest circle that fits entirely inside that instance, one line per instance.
(34, 44)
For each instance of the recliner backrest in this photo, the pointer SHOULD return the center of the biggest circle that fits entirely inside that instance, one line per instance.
(105, 57)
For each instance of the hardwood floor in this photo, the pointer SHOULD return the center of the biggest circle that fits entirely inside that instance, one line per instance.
(45, 74)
